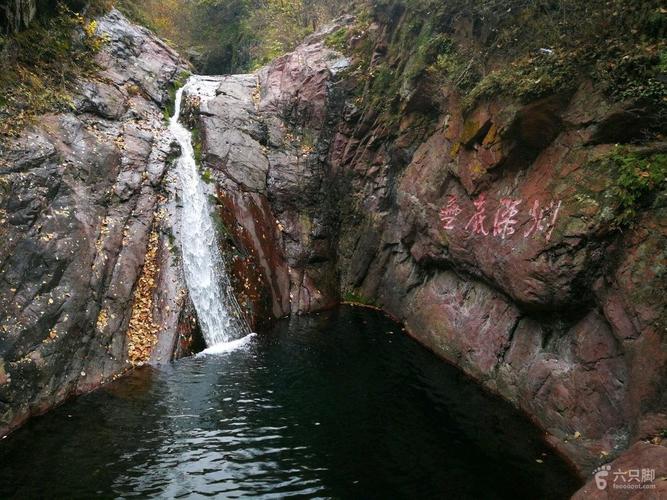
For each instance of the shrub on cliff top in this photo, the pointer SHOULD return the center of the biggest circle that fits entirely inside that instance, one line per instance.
(529, 48)
(42, 63)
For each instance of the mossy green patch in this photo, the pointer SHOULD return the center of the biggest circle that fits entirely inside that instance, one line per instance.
(179, 82)
(338, 39)
(207, 177)
(637, 179)
(354, 297)
(197, 145)
(528, 78)
(631, 183)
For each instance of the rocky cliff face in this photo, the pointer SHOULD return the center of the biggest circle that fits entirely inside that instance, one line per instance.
(17, 14)
(277, 212)
(88, 277)
(487, 231)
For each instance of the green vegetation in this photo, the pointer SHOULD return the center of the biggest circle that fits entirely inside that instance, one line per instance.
(450, 65)
(525, 49)
(353, 297)
(637, 178)
(635, 74)
(629, 72)
(338, 39)
(231, 36)
(206, 176)
(527, 79)
(168, 18)
(520, 48)
(197, 145)
(42, 63)
(170, 236)
(179, 82)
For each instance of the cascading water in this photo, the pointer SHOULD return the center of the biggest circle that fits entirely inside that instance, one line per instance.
(209, 286)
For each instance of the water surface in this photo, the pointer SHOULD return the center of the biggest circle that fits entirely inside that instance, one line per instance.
(340, 405)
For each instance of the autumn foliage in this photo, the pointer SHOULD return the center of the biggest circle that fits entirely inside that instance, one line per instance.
(229, 36)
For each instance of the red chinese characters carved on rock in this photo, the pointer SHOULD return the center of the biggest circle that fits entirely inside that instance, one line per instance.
(541, 219)
(504, 221)
(450, 212)
(476, 222)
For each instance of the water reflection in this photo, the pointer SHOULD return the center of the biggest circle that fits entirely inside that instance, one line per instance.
(336, 405)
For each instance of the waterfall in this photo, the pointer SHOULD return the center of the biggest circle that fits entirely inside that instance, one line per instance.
(218, 311)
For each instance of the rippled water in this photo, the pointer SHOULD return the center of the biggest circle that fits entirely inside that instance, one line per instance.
(335, 405)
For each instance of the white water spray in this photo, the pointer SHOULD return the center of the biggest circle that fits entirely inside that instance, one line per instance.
(210, 290)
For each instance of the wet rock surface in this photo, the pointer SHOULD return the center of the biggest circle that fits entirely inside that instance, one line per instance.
(488, 233)
(264, 142)
(84, 197)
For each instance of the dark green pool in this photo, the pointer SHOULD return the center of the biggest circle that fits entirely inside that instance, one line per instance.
(340, 405)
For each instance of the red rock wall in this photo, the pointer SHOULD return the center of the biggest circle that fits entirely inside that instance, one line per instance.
(487, 232)
(494, 246)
